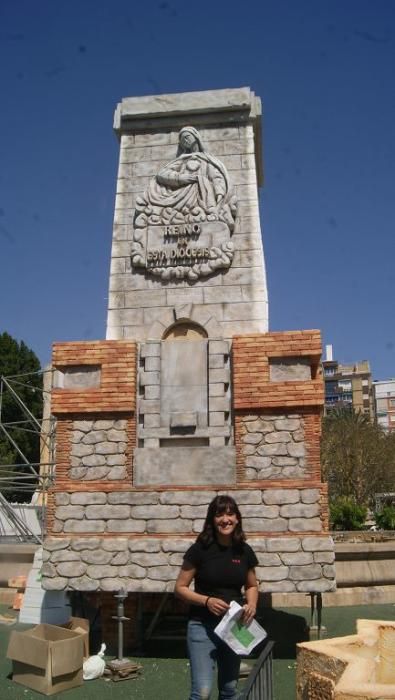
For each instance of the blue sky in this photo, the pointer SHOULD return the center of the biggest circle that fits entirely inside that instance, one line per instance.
(325, 73)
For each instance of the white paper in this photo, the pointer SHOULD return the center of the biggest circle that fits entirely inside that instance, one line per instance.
(241, 638)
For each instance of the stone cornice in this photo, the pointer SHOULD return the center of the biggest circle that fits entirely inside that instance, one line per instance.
(203, 108)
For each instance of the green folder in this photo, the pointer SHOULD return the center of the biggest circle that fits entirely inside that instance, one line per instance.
(242, 634)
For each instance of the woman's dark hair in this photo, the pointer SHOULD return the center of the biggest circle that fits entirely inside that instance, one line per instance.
(218, 506)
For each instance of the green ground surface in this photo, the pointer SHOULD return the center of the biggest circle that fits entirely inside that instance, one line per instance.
(165, 670)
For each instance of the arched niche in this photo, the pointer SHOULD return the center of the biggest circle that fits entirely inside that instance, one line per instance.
(185, 330)
(184, 387)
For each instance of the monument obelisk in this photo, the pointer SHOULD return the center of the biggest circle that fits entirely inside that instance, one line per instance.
(190, 394)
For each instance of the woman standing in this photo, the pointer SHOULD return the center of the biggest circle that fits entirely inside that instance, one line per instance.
(221, 564)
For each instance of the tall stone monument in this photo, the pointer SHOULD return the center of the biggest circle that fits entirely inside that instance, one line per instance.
(189, 395)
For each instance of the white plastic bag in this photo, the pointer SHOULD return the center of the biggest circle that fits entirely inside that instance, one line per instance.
(239, 637)
(94, 666)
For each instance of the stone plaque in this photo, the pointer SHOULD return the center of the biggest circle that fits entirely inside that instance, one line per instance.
(184, 220)
(184, 466)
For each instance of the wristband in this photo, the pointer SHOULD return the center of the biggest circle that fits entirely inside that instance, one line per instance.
(207, 599)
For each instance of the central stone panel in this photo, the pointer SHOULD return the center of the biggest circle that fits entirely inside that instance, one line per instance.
(184, 428)
(183, 385)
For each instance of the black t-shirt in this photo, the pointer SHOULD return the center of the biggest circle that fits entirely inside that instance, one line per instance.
(221, 572)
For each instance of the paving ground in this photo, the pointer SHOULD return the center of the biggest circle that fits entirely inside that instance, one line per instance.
(165, 669)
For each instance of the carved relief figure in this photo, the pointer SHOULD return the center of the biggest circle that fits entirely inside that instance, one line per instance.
(192, 190)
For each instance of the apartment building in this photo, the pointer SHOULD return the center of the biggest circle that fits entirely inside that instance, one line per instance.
(384, 401)
(348, 385)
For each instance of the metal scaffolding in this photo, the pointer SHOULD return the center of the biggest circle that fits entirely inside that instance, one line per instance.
(27, 477)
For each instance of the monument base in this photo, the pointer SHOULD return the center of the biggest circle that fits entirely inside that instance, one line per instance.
(122, 512)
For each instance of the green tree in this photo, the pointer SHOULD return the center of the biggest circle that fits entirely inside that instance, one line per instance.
(385, 519)
(21, 367)
(357, 456)
(345, 514)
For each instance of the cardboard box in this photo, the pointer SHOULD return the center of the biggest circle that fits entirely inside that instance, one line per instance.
(80, 625)
(47, 658)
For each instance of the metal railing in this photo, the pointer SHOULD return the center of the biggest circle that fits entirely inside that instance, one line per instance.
(27, 479)
(259, 684)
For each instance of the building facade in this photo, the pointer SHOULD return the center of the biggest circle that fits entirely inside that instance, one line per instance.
(348, 385)
(384, 402)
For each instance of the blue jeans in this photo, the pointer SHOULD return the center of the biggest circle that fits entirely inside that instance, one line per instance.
(206, 651)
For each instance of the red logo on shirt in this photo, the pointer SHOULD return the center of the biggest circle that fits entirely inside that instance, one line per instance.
(236, 561)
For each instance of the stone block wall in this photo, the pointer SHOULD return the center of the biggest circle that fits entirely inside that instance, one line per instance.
(276, 445)
(273, 446)
(149, 512)
(101, 557)
(94, 446)
(98, 449)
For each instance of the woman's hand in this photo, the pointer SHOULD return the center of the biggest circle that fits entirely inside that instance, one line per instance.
(251, 593)
(248, 613)
(216, 606)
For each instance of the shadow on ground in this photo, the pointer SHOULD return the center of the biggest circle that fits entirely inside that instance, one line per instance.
(166, 636)
(284, 628)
